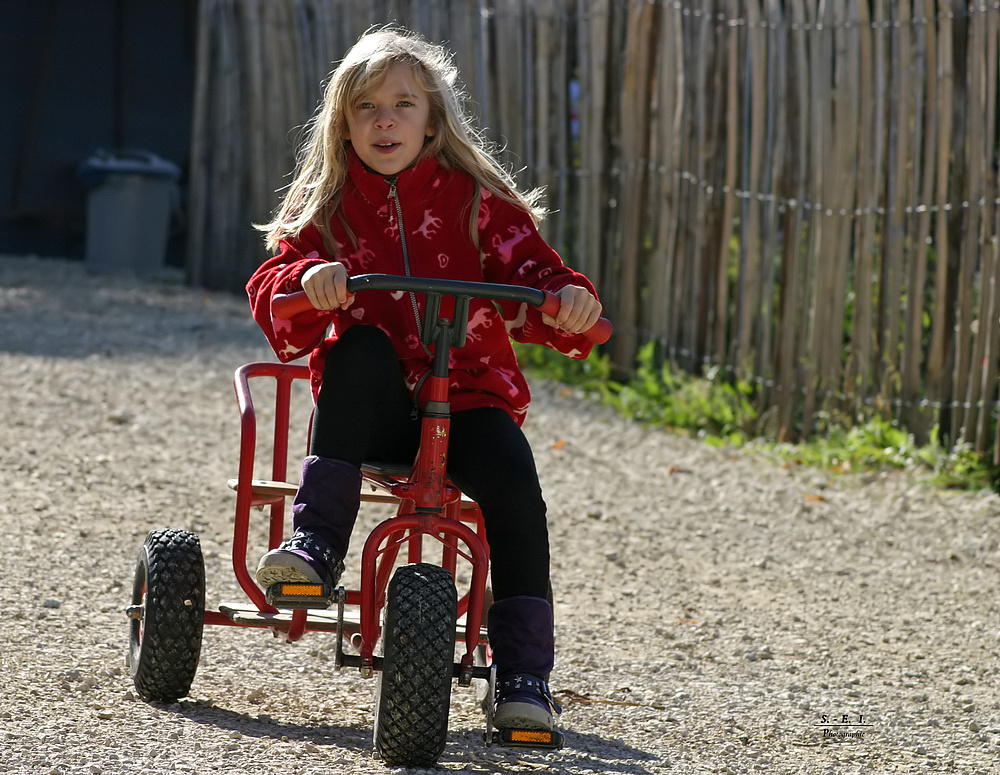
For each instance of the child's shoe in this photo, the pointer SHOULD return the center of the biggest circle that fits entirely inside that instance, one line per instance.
(305, 558)
(524, 702)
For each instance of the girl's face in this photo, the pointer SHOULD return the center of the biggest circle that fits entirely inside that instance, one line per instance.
(387, 127)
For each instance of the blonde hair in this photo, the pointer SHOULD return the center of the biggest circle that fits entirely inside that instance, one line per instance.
(321, 167)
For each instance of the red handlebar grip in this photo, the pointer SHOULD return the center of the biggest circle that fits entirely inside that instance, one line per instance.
(599, 333)
(288, 305)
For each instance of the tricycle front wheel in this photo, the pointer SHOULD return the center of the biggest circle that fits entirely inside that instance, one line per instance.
(414, 696)
(167, 614)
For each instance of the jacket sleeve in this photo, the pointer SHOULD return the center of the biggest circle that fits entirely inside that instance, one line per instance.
(290, 339)
(515, 253)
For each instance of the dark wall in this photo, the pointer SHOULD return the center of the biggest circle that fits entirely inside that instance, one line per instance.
(82, 75)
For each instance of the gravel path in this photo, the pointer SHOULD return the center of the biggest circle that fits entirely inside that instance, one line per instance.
(713, 609)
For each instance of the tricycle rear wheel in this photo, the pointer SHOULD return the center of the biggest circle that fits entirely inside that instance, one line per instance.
(414, 696)
(167, 614)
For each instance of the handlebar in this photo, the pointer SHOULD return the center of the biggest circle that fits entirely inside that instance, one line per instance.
(288, 305)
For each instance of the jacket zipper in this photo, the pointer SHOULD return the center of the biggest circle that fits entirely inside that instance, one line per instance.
(394, 196)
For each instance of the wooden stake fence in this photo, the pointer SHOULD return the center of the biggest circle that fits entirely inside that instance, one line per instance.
(801, 195)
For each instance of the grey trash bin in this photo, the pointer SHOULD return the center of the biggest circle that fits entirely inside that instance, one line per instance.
(129, 203)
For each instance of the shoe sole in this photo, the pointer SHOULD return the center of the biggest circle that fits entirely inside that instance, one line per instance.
(522, 715)
(291, 570)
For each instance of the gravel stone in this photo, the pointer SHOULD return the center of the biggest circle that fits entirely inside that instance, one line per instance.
(716, 612)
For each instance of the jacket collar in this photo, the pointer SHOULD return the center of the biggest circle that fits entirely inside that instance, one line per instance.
(375, 186)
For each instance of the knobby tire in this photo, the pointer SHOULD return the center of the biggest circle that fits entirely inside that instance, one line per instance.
(411, 724)
(165, 645)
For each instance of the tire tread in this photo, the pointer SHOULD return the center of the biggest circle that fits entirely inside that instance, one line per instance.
(411, 725)
(165, 657)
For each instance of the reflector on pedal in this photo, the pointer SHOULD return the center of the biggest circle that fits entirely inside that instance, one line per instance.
(531, 738)
(303, 590)
(296, 595)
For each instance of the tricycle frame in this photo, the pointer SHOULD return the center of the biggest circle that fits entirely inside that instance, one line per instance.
(427, 505)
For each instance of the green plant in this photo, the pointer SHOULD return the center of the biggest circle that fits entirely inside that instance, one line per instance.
(877, 444)
(870, 445)
(709, 408)
(960, 467)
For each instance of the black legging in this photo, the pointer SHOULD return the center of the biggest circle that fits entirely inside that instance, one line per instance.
(365, 413)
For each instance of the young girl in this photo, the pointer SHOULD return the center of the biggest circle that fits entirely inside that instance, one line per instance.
(393, 179)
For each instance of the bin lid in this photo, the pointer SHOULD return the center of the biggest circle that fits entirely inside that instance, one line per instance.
(102, 164)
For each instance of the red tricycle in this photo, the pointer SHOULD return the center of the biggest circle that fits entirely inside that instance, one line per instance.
(403, 623)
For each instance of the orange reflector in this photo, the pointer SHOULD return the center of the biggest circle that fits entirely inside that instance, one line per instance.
(302, 590)
(529, 736)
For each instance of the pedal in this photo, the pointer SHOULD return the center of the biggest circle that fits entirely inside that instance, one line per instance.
(548, 740)
(286, 594)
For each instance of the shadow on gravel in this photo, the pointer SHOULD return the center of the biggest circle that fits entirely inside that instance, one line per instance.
(347, 737)
(601, 754)
(582, 753)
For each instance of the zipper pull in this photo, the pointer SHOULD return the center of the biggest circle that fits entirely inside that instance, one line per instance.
(394, 207)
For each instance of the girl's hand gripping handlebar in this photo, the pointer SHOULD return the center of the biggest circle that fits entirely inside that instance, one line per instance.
(286, 306)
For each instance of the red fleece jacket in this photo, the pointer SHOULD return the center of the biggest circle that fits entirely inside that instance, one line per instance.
(434, 232)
